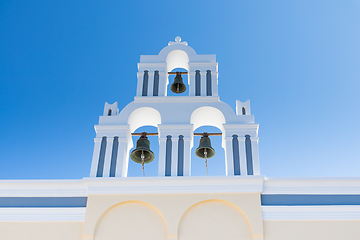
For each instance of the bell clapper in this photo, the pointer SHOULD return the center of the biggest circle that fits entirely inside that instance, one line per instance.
(142, 162)
(205, 153)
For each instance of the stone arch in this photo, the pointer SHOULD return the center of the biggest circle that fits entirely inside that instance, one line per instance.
(177, 59)
(213, 220)
(131, 220)
(211, 116)
(144, 116)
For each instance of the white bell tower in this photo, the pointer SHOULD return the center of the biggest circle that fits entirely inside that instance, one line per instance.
(175, 118)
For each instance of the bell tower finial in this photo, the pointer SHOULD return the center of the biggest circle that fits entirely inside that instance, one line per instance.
(177, 41)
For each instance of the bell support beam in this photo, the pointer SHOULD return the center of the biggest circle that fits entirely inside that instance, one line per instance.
(96, 155)
(195, 134)
(174, 73)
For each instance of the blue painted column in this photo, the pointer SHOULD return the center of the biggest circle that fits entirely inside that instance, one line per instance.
(242, 153)
(145, 83)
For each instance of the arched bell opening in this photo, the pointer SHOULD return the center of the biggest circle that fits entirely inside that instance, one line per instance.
(177, 59)
(184, 81)
(216, 164)
(151, 168)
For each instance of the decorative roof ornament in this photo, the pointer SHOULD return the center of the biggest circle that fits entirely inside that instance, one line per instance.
(177, 41)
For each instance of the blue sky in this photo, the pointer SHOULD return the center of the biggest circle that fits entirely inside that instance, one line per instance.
(297, 61)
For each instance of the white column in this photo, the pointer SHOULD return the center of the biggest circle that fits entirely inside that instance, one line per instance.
(242, 154)
(229, 159)
(108, 154)
(214, 84)
(122, 160)
(174, 155)
(187, 156)
(140, 76)
(162, 84)
(203, 84)
(96, 155)
(255, 155)
(162, 156)
(150, 84)
(191, 82)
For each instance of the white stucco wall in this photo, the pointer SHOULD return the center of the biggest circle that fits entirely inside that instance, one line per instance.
(41, 230)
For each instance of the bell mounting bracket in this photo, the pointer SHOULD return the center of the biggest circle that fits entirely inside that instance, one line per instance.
(177, 73)
(195, 134)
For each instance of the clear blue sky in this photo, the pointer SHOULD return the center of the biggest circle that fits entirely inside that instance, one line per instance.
(297, 61)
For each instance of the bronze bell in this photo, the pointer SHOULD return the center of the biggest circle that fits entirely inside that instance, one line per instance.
(142, 152)
(178, 86)
(205, 150)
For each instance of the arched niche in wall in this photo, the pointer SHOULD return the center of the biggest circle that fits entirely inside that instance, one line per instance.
(214, 220)
(133, 220)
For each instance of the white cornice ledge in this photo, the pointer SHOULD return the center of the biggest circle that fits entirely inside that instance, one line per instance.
(157, 185)
(42, 214)
(168, 99)
(43, 188)
(312, 186)
(311, 212)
